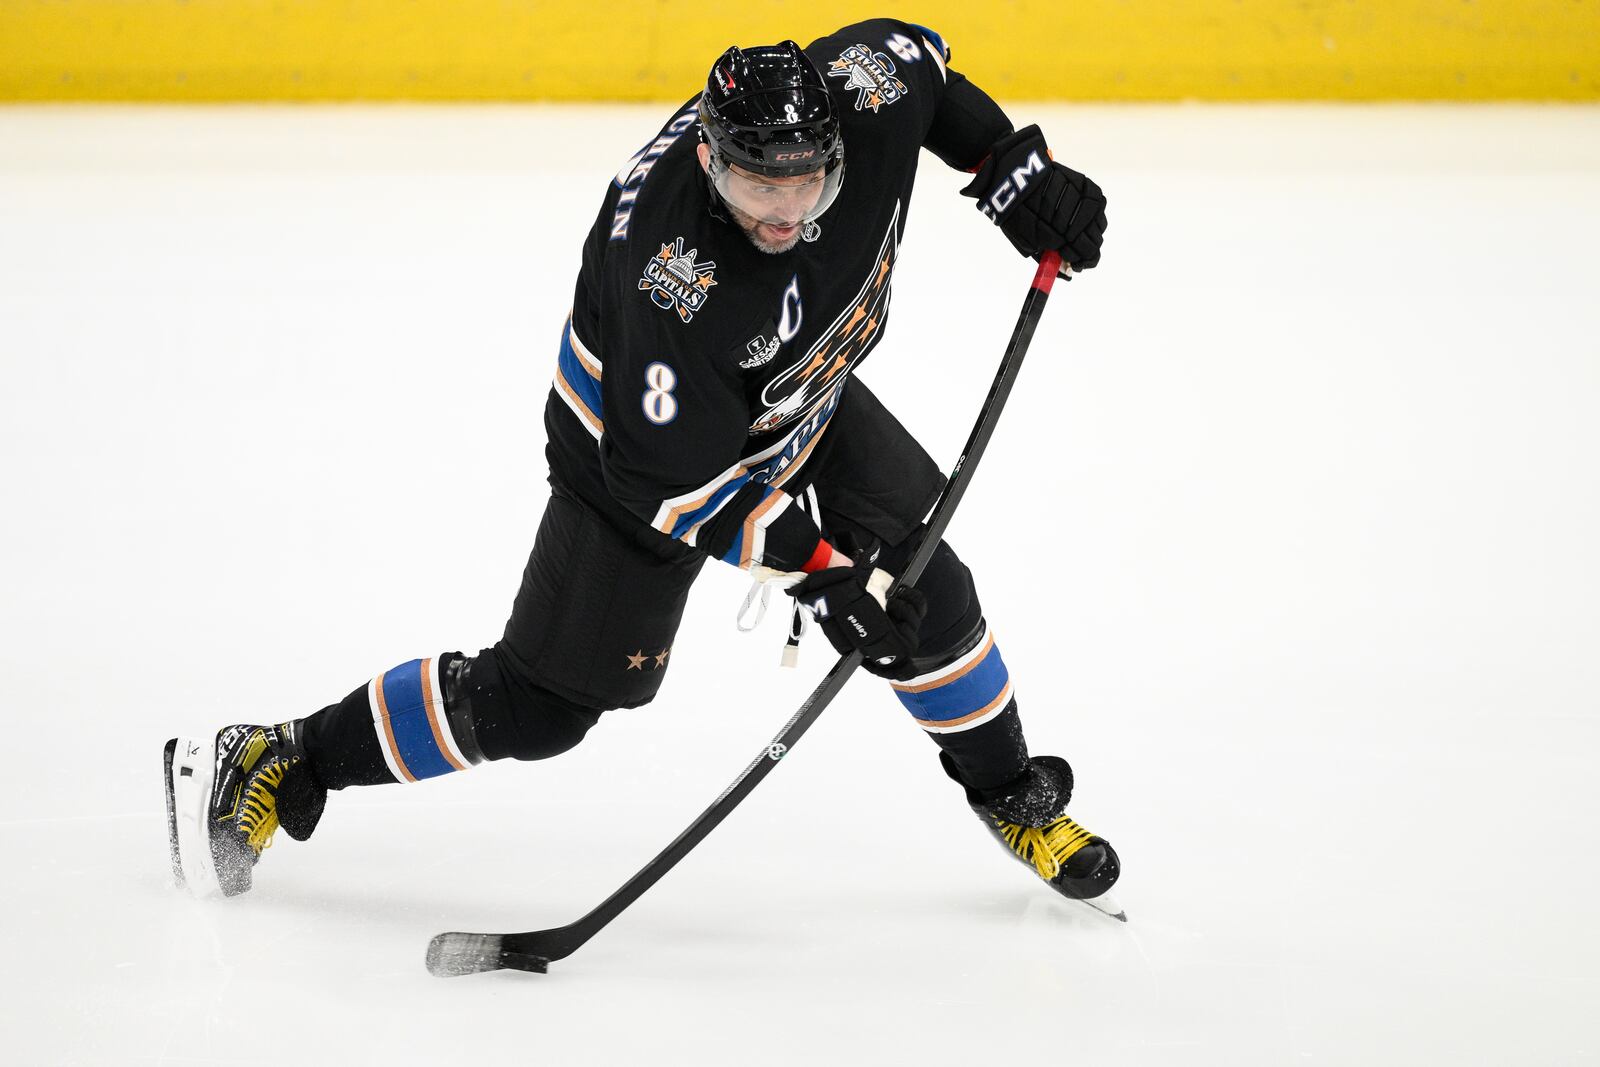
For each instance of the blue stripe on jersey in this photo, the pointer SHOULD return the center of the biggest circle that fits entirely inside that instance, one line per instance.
(971, 692)
(700, 514)
(775, 468)
(408, 718)
(735, 553)
(573, 369)
(934, 39)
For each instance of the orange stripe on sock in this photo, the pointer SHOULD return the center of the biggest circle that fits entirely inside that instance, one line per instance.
(433, 715)
(998, 702)
(388, 730)
(988, 646)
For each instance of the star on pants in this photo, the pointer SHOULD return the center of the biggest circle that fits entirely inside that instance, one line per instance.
(636, 661)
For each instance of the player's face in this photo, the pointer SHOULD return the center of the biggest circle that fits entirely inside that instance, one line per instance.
(770, 211)
(779, 202)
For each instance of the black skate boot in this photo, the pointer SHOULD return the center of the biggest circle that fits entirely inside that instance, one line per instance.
(1030, 820)
(226, 798)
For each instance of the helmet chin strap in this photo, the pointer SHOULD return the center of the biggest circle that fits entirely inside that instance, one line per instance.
(717, 206)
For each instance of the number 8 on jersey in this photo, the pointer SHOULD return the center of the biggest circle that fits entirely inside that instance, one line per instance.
(660, 406)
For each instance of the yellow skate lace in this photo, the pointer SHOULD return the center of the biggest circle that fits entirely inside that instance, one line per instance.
(258, 809)
(1046, 847)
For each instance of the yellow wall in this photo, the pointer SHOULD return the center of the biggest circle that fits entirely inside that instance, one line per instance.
(654, 49)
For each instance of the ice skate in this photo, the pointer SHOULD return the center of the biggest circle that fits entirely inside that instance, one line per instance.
(226, 797)
(1031, 822)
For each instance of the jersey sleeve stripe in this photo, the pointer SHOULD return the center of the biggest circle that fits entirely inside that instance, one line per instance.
(682, 515)
(936, 48)
(570, 397)
(585, 355)
(578, 385)
(755, 525)
(933, 41)
(677, 514)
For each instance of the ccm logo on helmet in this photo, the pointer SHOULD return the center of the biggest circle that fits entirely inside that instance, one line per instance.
(1005, 194)
(789, 157)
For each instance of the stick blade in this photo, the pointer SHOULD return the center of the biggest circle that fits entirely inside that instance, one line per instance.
(455, 954)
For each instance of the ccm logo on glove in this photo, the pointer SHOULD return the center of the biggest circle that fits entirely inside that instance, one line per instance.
(1005, 194)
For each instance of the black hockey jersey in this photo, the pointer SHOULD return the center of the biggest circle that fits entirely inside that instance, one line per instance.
(697, 373)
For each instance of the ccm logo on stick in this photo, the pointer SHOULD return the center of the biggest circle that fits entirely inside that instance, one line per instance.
(1005, 194)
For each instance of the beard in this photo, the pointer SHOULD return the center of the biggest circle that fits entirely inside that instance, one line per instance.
(753, 229)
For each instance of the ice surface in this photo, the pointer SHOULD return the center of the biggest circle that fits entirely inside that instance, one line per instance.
(1288, 535)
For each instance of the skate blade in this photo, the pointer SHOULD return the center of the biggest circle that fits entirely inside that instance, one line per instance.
(1107, 904)
(172, 816)
(191, 768)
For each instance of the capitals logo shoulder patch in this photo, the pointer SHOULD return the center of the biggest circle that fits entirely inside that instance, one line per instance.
(676, 281)
(870, 74)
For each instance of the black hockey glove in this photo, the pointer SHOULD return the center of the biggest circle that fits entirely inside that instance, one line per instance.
(1040, 205)
(849, 604)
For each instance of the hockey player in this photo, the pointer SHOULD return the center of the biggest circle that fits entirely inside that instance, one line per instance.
(704, 405)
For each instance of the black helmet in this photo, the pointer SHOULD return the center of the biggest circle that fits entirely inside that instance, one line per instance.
(768, 111)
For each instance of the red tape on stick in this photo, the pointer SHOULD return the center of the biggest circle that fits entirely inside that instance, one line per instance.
(1049, 268)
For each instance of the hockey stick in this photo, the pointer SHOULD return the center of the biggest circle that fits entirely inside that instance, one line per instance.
(454, 954)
